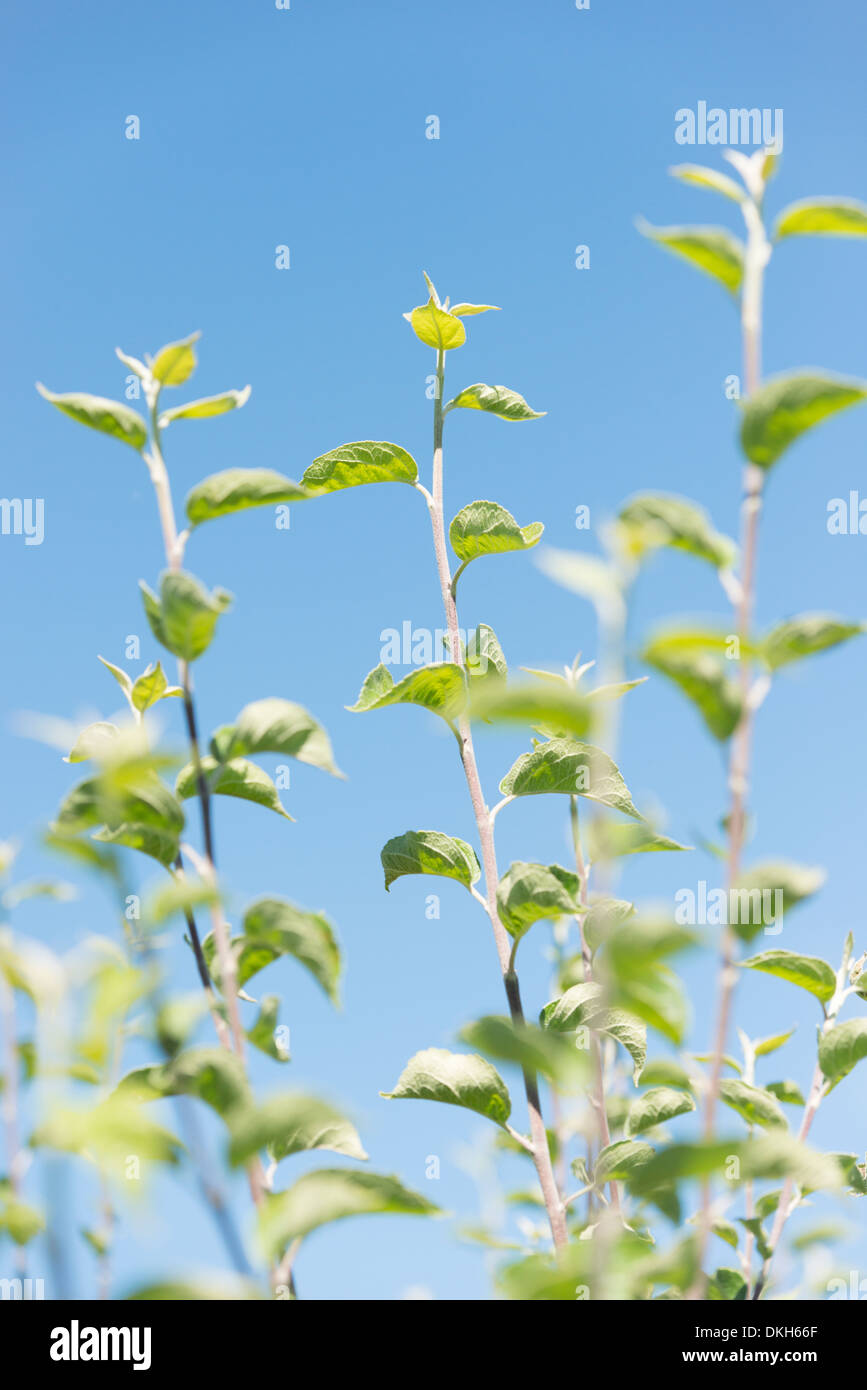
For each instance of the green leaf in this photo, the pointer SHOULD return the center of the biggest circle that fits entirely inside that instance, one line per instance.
(239, 777)
(549, 709)
(436, 327)
(618, 1162)
(662, 1071)
(529, 892)
(21, 1222)
(603, 918)
(822, 217)
(497, 400)
(703, 177)
(727, 1285)
(429, 852)
(276, 726)
(788, 1092)
(184, 617)
(485, 528)
(711, 249)
(589, 577)
(469, 310)
(841, 1047)
(703, 680)
(207, 407)
(484, 659)
(162, 845)
(212, 1074)
(455, 1078)
(329, 1194)
(611, 840)
(109, 417)
(237, 489)
(145, 801)
(574, 769)
(150, 687)
(108, 1133)
(263, 1034)
(352, 465)
(764, 1046)
(123, 680)
(276, 926)
(656, 519)
(655, 1106)
(583, 1006)
(795, 881)
(756, 1106)
(92, 742)
(175, 363)
(220, 1288)
(527, 1046)
(805, 635)
(810, 972)
(440, 688)
(781, 410)
(289, 1124)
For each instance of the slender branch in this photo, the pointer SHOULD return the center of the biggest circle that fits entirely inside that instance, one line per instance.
(757, 254)
(598, 1064)
(485, 829)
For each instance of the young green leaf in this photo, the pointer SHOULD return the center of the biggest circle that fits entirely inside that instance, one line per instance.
(583, 1006)
(290, 1123)
(657, 519)
(574, 769)
(756, 1106)
(806, 635)
(529, 892)
(109, 417)
(603, 918)
(484, 659)
(330, 1194)
(841, 1047)
(711, 249)
(795, 881)
(238, 777)
(702, 177)
(352, 465)
(552, 711)
(456, 1078)
(160, 844)
(704, 681)
(655, 1107)
(429, 852)
(788, 1092)
(440, 688)
(529, 1047)
(762, 1047)
(210, 1073)
(809, 972)
(781, 410)
(280, 726)
(175, 363)
(664, 1072)
(265, 1034)
(496, 400)
(92, 742)
(206, 408)
(485, 528)
(436, 327)
(822, 217)
(466, 311)
(274, 927)
(236, 489)
(184, 617)
(618, 1162)
(150, 687)
(612, 840)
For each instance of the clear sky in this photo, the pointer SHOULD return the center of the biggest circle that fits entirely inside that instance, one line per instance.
(306, 127)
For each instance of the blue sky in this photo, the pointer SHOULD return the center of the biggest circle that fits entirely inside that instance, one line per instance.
(306, 128)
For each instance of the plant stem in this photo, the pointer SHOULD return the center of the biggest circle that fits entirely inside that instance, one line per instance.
(9, 1102)
(756, 258)
(228, 970)
(484, 825)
